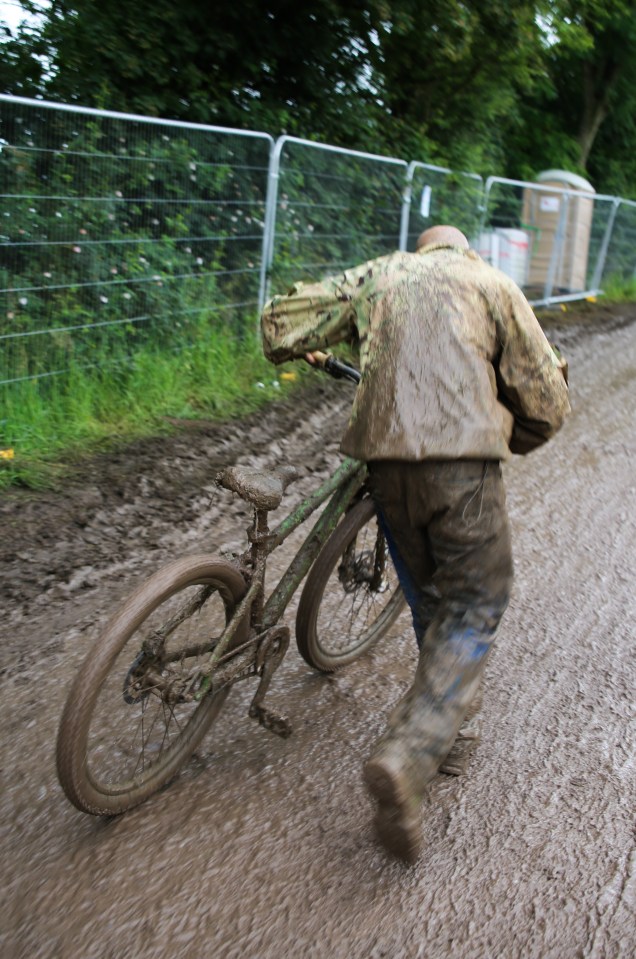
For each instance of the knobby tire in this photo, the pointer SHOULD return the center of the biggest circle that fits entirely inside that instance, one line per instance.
(214, 587)
(339, 618)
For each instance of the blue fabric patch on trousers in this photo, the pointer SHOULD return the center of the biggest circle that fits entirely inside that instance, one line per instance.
(409, 587)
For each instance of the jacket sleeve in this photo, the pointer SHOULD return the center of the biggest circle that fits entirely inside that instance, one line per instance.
(530, 377)
(313, 316)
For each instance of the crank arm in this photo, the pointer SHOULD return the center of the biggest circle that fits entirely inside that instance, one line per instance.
(269, 656)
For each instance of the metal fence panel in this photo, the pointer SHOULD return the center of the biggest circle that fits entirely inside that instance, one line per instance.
(550, 240)
(120, 232)
(620, 261)
(437, 195)
(329, 208)
(600, 233)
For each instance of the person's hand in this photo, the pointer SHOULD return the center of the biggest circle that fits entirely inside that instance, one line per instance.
(317, 358)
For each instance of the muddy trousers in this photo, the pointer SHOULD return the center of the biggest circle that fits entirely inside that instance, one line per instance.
(448, 534)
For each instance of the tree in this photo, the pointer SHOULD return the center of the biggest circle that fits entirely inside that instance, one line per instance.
(581, 116)
(380, 74)
(253, 64)
(22, 63)
(593, 68)
(454, 70)
(490, 85)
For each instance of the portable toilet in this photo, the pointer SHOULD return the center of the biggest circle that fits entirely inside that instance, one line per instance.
(543, 214)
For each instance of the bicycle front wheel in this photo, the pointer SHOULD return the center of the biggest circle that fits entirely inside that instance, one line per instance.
(131, 719)
(352, 594)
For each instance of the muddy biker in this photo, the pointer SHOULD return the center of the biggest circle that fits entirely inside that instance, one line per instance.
(160, 672)
(457, 375)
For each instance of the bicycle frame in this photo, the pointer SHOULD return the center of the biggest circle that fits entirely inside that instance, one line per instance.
(342, 487)
(346, 481)
(161, 694)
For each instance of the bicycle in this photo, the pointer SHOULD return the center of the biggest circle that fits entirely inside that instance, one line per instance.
(166, 661)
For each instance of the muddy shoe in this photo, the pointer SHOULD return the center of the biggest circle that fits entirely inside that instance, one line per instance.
(468, 737)
(397, 819)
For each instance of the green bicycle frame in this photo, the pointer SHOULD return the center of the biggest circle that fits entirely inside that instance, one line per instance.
(342, 487)
(346, 482)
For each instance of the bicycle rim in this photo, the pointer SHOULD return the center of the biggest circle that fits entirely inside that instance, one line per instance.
(131, 719)
(352, 594)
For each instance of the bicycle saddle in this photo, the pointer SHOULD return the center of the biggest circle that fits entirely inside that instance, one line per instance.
(262, 488)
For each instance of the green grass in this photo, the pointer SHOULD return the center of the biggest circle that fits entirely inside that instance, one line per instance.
(619, 290)
(47, 426)
(50, 424)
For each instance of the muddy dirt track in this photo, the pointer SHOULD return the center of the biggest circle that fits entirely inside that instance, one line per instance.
(263, 847)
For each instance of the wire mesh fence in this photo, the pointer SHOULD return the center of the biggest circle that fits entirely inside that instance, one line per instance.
(329, 209)
(552, 241)
(438, 195)
(620, 260)
(123, 236)
(120, 233)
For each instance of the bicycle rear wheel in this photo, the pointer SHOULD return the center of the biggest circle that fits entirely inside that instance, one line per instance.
(352, 594)
(131, 720)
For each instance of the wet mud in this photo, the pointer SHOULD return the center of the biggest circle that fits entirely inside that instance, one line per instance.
(263, 847)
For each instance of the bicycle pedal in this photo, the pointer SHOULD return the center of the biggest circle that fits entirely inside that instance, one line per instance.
(272, 721)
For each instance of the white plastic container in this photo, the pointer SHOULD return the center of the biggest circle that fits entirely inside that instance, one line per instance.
(487, 246)
(508, 250)
(514, 254)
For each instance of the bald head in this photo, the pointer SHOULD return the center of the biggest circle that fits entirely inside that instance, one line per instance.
(448, 235)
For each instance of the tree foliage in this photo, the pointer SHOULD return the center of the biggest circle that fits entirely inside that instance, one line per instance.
(454, 70)
(490, 85)
(596, 68)
(588, 103)
(272, 65)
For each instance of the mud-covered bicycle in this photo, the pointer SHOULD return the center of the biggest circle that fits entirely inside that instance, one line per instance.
(161, 670)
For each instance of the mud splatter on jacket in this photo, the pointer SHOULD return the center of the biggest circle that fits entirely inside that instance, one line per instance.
(454, 362)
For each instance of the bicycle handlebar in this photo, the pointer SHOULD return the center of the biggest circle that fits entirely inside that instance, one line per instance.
(336, 368)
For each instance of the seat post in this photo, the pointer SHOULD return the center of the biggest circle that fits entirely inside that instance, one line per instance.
(258, 535)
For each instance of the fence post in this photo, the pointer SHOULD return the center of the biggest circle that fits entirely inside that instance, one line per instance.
(485, 199)
(406, 206)
(271, 204)
(269, 223)
(602, 253)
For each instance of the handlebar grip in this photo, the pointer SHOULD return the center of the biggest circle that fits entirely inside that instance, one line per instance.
(335, 368)
(321, 358)
(338, 369)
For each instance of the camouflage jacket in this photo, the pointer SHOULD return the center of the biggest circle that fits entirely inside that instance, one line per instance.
(454, 362)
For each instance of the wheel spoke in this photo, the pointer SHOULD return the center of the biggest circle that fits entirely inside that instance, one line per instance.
(137, 724)
(340, 614)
